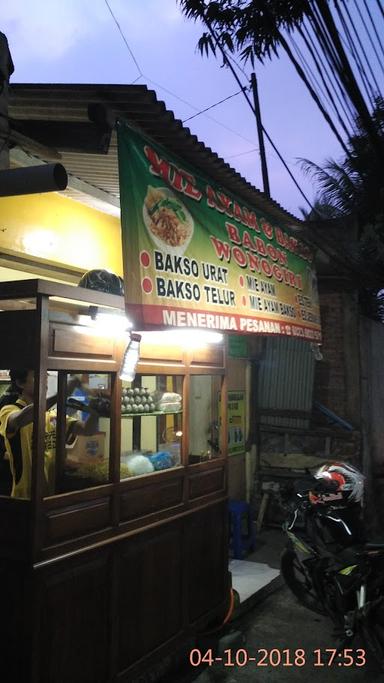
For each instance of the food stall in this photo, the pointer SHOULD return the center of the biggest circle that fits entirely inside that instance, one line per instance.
(124, 559)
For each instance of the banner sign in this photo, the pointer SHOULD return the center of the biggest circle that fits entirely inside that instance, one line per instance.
(236, 422)
(237, 346)
(196, 256)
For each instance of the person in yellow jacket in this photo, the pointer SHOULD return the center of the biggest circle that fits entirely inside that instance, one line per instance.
(16, 427)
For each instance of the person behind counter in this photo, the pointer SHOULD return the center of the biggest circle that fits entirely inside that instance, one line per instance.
(16, 427)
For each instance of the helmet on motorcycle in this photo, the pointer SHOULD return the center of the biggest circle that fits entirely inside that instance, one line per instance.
(102, 281)
(349, 483)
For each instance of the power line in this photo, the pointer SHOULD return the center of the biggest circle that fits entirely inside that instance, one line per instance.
(325, 73)
(380, 7)
(367, 32)
(142, 75)
(349, 44)
(219, 123)
(253, 110)
(231, 57)
(374, 27)
(327, 32)
(328, 96)
(363, 51)
(123, 37)
(241, 154)
(212, 106)
(327, 66)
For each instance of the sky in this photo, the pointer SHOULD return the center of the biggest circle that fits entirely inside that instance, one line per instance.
(77, 41)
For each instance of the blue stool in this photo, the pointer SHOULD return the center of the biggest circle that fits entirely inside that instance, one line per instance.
(239, 516)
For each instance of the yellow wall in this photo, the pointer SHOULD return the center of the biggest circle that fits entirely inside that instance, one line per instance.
(53, 227)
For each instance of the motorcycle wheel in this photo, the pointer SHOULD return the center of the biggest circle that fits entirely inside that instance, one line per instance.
(299, 582)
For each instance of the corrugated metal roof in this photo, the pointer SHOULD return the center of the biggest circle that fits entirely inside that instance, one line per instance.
(32, 106)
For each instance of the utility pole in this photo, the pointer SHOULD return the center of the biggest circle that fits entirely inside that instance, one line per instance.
(263, 160)
(6, 69)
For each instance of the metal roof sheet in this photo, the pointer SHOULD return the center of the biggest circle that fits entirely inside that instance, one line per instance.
(33, 105)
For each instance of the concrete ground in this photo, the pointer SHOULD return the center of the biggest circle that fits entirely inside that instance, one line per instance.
(280, 623)
(274, 621)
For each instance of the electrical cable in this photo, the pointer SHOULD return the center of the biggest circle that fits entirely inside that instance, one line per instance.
(346, 10)
(319, 240)
(366, 30)
(142, 75)
(332, 58)
(219, 123)
(212, 106)
(347, 78)
(231, 57)
(324, 96)
(373, 26)
(227, 617)
(124, 38)
(329, 94)
(243, 89)
(241, 154)
(313, 93)
(309, 71)
(325, 74)
(328, 66)
(321, 32)
(380, 7)
(349, 44)
(253, 110)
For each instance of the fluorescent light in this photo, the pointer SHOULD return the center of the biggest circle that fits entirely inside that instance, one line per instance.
(187, 338)
(112, 323)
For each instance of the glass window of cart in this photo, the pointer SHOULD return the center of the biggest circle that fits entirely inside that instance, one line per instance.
(151, 430)
(86, 458)
(204, 418)
(7, 397)
(76, 436)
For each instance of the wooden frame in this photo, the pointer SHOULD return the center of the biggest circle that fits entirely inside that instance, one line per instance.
(172, 522)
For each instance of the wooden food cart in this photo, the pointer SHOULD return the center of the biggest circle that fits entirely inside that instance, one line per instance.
(110, 571)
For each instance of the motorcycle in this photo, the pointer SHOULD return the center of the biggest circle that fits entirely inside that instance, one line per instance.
(331, 568)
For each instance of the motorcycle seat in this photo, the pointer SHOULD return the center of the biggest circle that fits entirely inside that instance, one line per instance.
(374, 546)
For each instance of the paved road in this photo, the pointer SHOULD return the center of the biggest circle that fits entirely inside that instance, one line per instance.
(280, 623)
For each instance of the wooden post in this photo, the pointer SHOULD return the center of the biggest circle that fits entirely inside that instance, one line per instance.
(263, 160)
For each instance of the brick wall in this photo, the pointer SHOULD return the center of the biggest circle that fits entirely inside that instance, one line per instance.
(330, 372)
(337, 376)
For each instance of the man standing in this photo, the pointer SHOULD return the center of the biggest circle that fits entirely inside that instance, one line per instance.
(16, 427)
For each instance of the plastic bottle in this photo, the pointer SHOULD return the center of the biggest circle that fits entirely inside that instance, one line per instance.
(131, 358)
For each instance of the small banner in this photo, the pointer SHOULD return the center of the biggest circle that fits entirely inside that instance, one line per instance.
(236, 421)
(196, 256)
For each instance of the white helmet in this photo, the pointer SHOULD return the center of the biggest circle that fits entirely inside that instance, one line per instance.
(350, 481)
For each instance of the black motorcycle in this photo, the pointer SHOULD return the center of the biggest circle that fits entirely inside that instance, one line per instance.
(330, 567)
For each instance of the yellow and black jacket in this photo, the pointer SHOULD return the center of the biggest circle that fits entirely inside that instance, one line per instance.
(18, 448)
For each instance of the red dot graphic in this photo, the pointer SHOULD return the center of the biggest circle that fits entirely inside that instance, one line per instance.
(147, 285)
(244, 301)
(241, 280)
(145, 259)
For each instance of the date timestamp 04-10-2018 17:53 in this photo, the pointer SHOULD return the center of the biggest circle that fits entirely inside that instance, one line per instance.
(276, 657)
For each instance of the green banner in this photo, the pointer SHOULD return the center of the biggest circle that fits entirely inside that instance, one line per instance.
(197, 256)
(237, 346)
(236, 422)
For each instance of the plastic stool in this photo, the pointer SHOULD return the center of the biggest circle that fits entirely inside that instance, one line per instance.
(239, 511)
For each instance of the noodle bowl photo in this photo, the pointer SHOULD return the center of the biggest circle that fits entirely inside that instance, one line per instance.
(168, 222)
